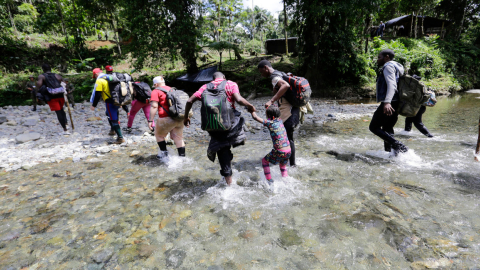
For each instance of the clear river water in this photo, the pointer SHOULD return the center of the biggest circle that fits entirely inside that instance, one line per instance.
(347, 205)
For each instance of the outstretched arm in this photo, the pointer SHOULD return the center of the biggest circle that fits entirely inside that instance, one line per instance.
(258, 119)
(188, 107)
(283, 87)
(240, 100)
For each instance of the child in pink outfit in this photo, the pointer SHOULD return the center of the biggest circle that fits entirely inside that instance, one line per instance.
(281, 146)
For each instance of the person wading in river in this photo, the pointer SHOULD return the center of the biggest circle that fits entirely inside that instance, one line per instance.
(417, 119)
(386, 115)
(165, 124)
(47, 82)
(290, 115)
(222, 141)
(102, 90)
(109, 71)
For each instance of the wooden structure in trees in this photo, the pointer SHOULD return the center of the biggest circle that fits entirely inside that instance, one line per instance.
(425, 25)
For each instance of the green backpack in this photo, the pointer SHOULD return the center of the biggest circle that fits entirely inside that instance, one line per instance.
(413, 94)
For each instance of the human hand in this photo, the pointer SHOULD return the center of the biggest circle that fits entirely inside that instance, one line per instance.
(92, 108)
(268, 104)
(150, 125)
(186, 122)
(251, 109)
(387, 109)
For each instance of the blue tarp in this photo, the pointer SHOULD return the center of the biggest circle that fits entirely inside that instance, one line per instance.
(203, 76)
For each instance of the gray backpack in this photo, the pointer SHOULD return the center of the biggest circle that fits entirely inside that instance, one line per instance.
(413, 94)
(176, 100)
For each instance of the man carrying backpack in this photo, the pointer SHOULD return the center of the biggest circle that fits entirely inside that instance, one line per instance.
(102, 90)
(229, 134)
(386, 115)
(165, 124)
(289, 114)
(48, 84)
(109, 70)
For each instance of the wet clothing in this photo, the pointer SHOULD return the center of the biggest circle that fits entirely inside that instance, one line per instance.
(417, 121)
(277, 133)
(278, 156)
(387, 82)
(290, 124)
(136, 106)
(56, 104)
(266, 168)
(221, 142)
(230, 89)
(161, 97)
(382, 125)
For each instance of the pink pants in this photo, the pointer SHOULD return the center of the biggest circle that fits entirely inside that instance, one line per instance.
(136, 106)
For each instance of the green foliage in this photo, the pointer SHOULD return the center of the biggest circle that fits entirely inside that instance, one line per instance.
(255, 45)
(84, 65)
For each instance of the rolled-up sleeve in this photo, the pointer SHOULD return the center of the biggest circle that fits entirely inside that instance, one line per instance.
(391, 79)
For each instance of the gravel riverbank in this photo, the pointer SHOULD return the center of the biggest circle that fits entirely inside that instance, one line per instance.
(28, 138)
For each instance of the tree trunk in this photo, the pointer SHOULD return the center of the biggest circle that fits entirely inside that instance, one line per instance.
(219, 24)
(116, 39)
(11, 19)
(253, 22)
(416, 24)
(64, 30)
(411, 25)
(423, 19)
(285, 26)
(220, 67)
(460, 28)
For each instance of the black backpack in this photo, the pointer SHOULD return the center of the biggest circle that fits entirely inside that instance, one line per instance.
(217, 113)
(143, 92)
(121, 88)
(52, 85)
(176, 100)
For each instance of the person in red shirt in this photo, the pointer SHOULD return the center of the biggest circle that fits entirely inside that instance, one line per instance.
(164, 124)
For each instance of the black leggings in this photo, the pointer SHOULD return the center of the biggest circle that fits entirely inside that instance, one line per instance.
(225, 157)
(62, 118)
(290, 125)
(417, 121)
(382, 124)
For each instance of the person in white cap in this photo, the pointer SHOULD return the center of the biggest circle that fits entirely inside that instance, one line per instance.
(164, 124)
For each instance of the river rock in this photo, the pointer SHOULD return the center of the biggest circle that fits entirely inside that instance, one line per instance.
(30, 122)
(23, 138)
(102, 255)
(94, 118)
(3, 119)
(12, 123)
(174, 258)
(290, 238)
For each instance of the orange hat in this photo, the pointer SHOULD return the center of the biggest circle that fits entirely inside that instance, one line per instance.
(95, 71)
(108, 68)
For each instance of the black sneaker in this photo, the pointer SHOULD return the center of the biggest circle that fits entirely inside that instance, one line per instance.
(399, 147)
(387, 146)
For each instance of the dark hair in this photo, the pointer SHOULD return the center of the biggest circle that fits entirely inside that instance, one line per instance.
(273, 112)
(390, 53)
(46, 67)
(218, 75)
(264, 63)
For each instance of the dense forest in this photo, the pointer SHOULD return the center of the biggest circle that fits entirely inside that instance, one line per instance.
(336, 46)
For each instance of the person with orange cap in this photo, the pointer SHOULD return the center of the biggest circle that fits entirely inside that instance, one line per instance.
(102, 90)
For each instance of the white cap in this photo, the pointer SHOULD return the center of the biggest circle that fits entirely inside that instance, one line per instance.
(158, 79)
(275, 80)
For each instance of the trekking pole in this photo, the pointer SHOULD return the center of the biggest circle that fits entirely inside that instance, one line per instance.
(477, 150)
(69, 113)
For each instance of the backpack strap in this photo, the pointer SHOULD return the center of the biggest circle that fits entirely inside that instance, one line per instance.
(165, 91)
(222, 85)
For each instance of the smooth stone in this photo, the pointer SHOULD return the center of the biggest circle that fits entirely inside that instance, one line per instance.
(474, 91)
(11, 123)
(3, 119)
(290, 238)
(102, 256)
(103, 150)
(23, 138)
(93, 118)
(135, 153)
(27, 167)
(30, 122)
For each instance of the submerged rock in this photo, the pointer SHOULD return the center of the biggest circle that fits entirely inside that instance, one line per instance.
(174, 258)
(102, 256)
(290, 238)
(23, 138)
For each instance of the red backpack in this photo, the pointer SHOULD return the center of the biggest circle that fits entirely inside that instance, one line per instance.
(300, 91)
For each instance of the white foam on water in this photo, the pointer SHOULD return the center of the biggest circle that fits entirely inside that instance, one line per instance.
(409, 158)
(176, 163)
(284, 191)
(406, 133)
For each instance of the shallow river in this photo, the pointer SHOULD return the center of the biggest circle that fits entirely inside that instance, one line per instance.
(347, 205)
